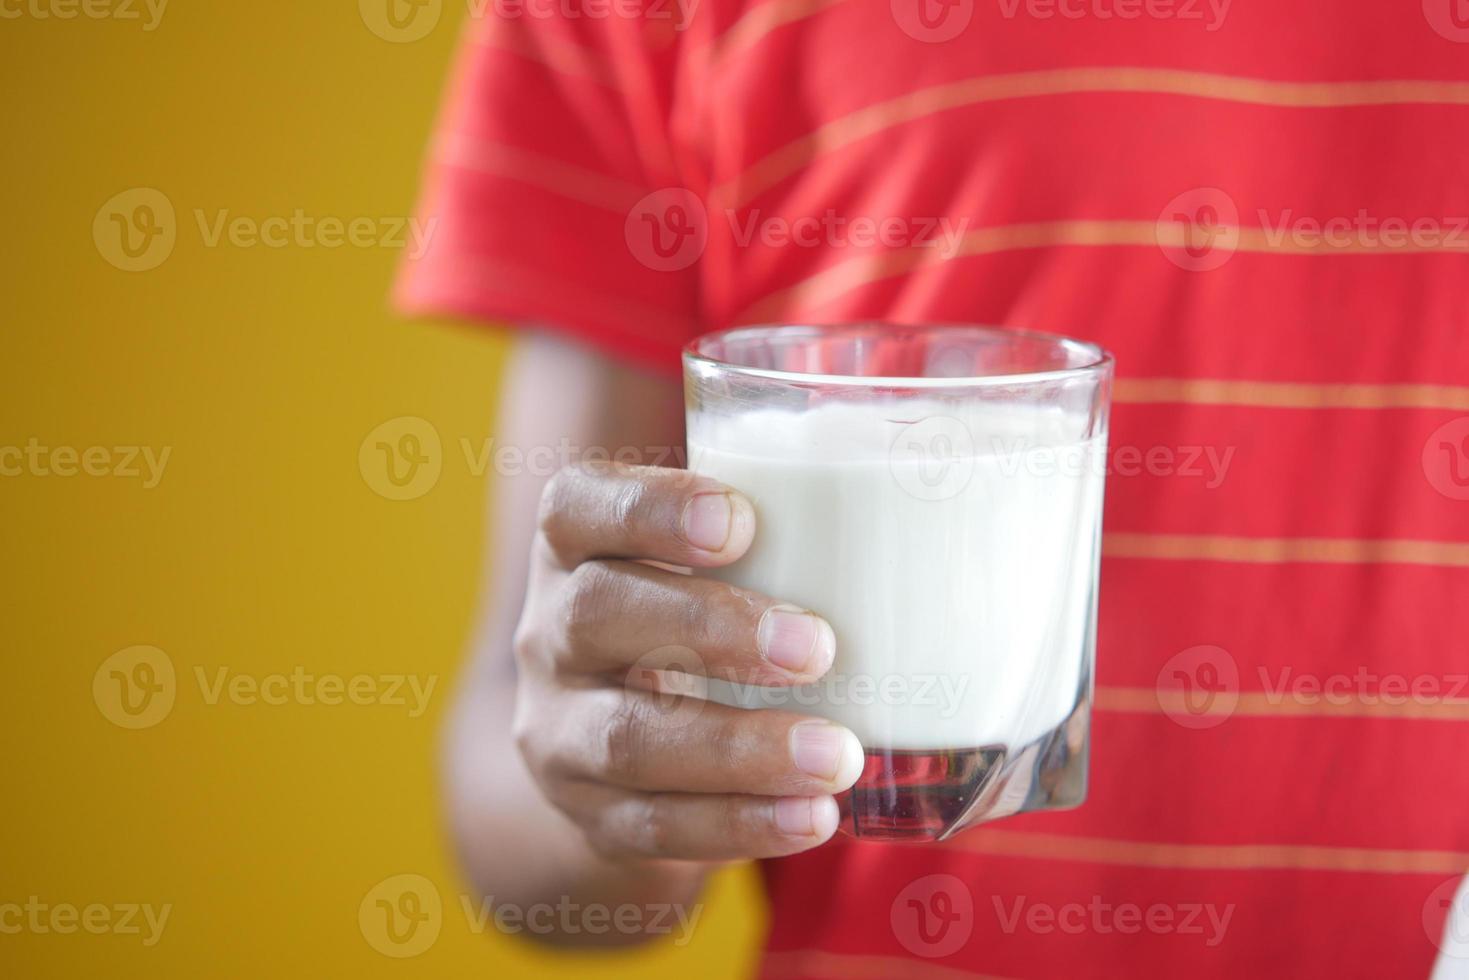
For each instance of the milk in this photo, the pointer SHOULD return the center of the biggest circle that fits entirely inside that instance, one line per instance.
(953, 549)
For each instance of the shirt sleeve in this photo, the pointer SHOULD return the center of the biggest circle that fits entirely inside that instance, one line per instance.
(554, 193)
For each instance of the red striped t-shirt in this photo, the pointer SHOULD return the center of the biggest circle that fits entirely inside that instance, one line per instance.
(1263, 210)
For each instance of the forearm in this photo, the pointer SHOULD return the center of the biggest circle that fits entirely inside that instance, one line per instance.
(513, 843)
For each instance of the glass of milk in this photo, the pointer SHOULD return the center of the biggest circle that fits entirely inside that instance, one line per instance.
(934, 492)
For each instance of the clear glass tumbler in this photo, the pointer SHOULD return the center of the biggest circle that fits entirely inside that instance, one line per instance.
(935, 492)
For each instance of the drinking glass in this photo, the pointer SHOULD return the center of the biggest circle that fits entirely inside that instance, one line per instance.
(935, 493)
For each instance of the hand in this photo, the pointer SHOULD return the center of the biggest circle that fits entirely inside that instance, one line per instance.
(652, 775)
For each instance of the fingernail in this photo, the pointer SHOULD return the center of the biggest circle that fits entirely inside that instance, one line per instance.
(795, 639)
(793, 816)
(707, 519)
(800, 816)
(824, 750)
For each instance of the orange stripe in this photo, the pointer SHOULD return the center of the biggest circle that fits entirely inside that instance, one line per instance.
(466, 270)
(1351, 551)
(547, 49)
(1143, 700)
(819, 963)
(1207, 857)
(754, 26)
(1287, 394)
(846, 276)
(574, 59)
(561, 178)
(827, 285)
(873, 119)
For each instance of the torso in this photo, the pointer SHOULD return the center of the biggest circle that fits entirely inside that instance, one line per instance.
(1289, 498)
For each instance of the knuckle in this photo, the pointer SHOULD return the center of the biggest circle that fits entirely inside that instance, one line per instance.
(562, 794)
(623, 828)
(556, 514)
(625, 740)
(529, 736)
(630, 501)
(659, 827)
(715, 615)
(588, 597)
(696, 612)
(525, 641)
(735, 822)
(523, 736)
(649, 504)
(727, 741)
(603, 839)
(552, 495)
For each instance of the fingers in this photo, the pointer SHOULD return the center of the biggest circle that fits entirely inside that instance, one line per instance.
(612, 510)
(642, 741)
(614, 613)
(701, 828)
(640, 770)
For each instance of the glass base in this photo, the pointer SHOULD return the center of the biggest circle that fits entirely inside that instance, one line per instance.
(928, 795)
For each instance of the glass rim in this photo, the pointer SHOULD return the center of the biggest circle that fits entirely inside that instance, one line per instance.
(1098, 361)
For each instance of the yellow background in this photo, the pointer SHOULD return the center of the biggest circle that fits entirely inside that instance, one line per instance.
(263, 548)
